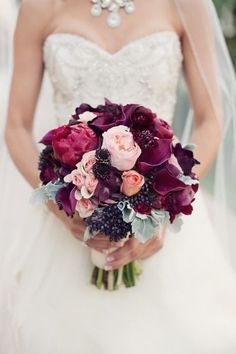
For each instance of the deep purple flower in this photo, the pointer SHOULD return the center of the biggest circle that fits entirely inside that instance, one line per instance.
(48, 174)
(47, 165)
(102, 192)
(142, 118)
(154, 157)
(108, 116)
(177, 202)
(185, 158)
(163, 129)
(65, 198)
(165, 182)
(109, 186)
(84, 107)
(180, 202)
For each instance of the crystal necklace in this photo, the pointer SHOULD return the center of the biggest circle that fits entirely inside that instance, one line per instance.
(113, 7)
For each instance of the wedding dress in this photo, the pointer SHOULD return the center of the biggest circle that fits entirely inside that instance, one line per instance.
(185, 300)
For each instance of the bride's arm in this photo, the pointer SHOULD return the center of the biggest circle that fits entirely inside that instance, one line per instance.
(26, 82)
(202, 77)
(206, 133)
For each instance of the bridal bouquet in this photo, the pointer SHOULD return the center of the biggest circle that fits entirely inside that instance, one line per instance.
(121, 169)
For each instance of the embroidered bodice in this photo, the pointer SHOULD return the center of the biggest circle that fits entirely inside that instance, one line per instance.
(144, 71)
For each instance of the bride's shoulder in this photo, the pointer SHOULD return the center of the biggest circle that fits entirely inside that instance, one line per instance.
(37, 15)
(35, 5)
(42, 9)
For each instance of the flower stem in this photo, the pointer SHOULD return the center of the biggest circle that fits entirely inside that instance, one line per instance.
(132, 274)
(110, 280)
(99, 278)
(94, 275)
(116, 272)
(119, 277)
(113, 279)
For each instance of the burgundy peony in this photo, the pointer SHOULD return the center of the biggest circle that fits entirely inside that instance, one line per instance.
(185, 158)
(71, 142)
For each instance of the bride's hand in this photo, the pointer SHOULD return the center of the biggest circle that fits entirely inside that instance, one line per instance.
(77, 227)
(134, 250)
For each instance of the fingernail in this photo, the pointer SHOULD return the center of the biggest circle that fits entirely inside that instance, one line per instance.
(110, 259)
(107, 267)
(105, 251)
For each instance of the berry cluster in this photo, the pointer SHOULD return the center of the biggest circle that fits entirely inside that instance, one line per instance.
(144, 196)
(110, 222)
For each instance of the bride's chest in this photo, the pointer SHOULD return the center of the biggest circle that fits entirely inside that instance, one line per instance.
(74, 62)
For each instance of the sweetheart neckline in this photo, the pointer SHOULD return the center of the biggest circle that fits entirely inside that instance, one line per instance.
(103, 50)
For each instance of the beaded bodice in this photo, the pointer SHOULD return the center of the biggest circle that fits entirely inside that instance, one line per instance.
(144, 71)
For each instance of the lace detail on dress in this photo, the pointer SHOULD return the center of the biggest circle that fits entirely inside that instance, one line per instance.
(144, 71)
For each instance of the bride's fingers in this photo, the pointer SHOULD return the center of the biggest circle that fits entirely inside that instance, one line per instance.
(129, 252)
(102, 243)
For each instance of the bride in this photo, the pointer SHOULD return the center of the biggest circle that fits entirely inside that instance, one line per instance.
(185, 300)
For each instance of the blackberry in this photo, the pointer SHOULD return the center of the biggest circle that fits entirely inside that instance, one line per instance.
(110, 222)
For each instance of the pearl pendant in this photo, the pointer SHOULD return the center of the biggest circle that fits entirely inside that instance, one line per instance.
(129, 7)
(106, 3)
(114, 19)
(96, 10)
(113, 6)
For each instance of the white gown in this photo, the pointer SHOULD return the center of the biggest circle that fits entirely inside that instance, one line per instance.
(185, 301)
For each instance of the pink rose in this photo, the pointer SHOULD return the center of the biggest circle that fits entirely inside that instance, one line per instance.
(120, 143)
(132, 183)
(89, 186)
(86, 164)
(76, 178)
(85, 207)
(70, 142)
